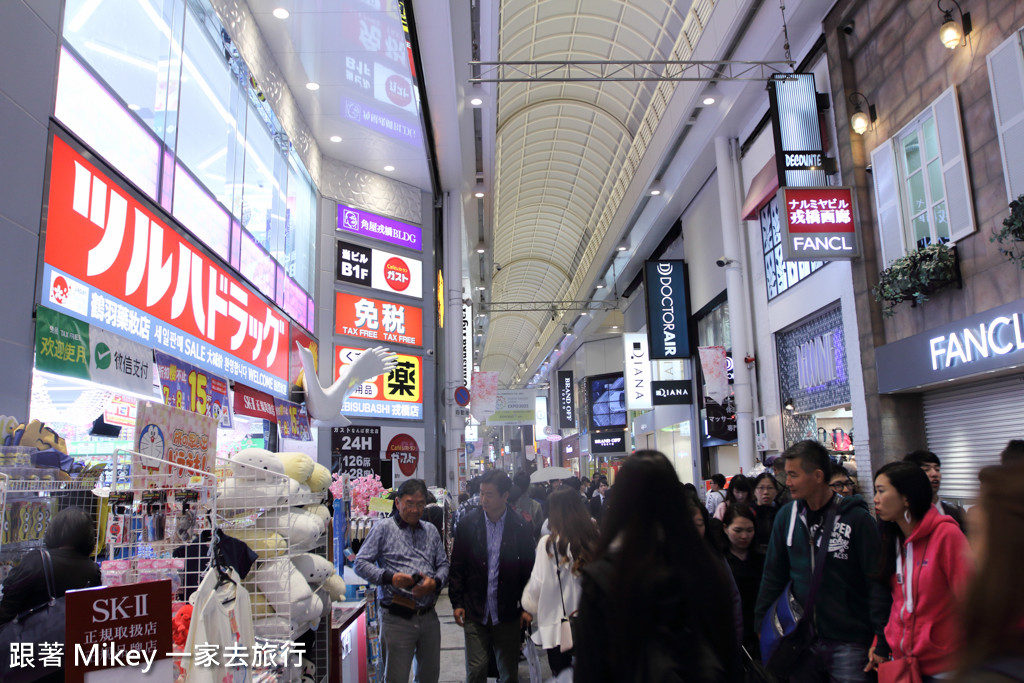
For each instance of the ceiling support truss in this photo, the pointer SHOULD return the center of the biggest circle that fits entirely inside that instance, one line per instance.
(547, 306)
(602, 70)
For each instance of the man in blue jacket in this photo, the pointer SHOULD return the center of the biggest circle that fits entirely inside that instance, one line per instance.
(852, 605)
(491, 563)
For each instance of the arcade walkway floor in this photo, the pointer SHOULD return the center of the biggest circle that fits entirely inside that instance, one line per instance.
(453, 649)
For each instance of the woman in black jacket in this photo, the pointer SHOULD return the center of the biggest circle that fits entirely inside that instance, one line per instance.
(652, 604)
(70, 540)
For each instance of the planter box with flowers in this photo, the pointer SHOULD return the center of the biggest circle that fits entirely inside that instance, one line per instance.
(914, 276)
(1011, 236)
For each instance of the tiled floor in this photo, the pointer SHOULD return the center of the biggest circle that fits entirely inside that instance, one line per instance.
(453, 650)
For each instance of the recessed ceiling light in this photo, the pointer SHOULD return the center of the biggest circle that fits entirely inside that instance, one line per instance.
(476, 101)
(389, 168)
(600, 286)
(312, 86)
(281, 13)
(335, 138)
(134, 107)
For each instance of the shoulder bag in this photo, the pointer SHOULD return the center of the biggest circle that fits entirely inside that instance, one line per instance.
(905, 669)
(788, 630)
(41, 624)
(568, 625)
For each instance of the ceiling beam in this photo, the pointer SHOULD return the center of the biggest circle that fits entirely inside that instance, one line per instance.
(550, 306)
(609, 70)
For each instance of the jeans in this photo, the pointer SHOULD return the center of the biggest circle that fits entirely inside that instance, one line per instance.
(832, 661)
(402, 638)
(503, 639)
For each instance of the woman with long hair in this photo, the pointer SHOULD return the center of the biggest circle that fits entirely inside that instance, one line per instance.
(993, 611)
(553, 592)
(739, 491)
(926, 556)
(747, 565)
(652, 605)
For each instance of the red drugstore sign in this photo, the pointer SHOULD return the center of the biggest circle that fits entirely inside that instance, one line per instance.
(360, 316)
(818, 223)
(115, 262)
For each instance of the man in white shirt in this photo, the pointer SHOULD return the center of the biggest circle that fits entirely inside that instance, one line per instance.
(716, 495)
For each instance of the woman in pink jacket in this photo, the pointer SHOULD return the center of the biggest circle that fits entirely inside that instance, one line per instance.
(928, 559)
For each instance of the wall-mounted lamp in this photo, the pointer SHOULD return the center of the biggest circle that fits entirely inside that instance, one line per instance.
(479, 190)
(623, 246)
(481, 247)
(952, 33)
(788, 405)
(476, 95)
(861, 120)
(656, 188)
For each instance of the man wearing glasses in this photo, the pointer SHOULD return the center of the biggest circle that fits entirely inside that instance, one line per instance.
(407, 561)
(840, 481)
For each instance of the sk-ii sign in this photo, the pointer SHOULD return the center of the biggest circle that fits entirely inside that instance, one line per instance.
(566, 402)
(667, 309)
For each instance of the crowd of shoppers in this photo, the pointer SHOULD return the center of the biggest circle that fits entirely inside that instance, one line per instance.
(645, 581)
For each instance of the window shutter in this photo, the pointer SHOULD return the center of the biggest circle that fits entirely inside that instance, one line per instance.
(888, 213)
(1006, 76)
(954, 165)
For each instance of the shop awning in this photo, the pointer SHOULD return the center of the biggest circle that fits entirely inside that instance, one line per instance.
(762, 187)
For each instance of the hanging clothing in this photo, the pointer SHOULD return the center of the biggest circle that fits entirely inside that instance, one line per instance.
(221, 617)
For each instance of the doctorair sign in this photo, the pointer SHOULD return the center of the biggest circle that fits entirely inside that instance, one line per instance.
(113, 260)
(986, 342)
(667, 310)
(818, 223)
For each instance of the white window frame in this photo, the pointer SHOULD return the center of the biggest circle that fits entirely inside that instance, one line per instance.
(892, 209)
(1006, 78)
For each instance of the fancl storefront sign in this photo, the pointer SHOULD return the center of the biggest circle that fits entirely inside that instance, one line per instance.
(993, 340)
(818, 223)
(667, 309)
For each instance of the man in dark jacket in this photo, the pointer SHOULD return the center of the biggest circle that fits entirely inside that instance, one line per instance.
(932, 466)
(491, 563)
(852, 605)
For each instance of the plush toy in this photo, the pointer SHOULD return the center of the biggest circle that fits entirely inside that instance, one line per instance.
(254, 459)
(314, 568)
(265, 543)
(242, 494)
(320, 511)
(303, 529)
(272, 628)
(259, 606)
(282, 585)
(335, 586)
(298, 466)
(320, 479)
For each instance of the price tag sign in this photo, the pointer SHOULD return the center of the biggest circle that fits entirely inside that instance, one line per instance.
(188, 387)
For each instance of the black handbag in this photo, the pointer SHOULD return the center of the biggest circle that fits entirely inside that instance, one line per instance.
(787, 630)
(42, 624)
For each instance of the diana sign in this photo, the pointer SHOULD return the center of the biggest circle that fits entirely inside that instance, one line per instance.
(638, 372)
(988, 341)
(818, 223)
(667, 310)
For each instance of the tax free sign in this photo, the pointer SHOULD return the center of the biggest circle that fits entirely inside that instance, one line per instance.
(818, 223)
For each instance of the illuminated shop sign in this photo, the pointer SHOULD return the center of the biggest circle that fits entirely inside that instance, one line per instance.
(992, 340)
(376, 227)
(816, 361)
(398, 394)
(818, 223)
(638, 372)
(379, 269)
(667, 310)
(607, 442)
(114, 261)
(796, 130)
(672, 392)
(566, 400)
(385, 321)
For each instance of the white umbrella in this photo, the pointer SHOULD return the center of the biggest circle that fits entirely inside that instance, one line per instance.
(550, 474)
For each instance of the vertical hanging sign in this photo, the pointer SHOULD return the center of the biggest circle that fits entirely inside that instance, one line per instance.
(638, 372)
(566, 400)
(667, 309)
